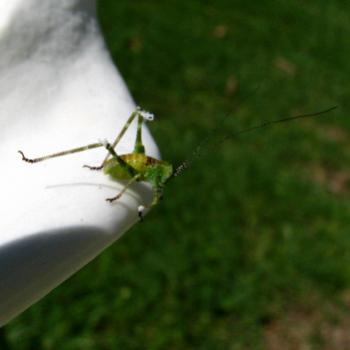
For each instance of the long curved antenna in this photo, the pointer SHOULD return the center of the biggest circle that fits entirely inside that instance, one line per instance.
(198, 151)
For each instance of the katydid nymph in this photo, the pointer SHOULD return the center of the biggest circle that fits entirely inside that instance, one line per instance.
(132, 167)
(137, 166)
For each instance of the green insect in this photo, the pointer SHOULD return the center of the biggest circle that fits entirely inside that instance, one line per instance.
(137, 166)
(132, 167)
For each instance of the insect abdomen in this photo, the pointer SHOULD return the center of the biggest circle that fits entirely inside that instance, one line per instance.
(138, 160)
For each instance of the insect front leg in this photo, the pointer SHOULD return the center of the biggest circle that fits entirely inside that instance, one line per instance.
(157, 196)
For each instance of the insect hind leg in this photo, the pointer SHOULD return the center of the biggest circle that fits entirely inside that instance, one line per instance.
(119, 136)
(60, 154)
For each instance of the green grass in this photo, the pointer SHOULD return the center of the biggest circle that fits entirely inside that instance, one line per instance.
(255, 231)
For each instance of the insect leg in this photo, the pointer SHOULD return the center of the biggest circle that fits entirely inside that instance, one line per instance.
(135, 178)
(139, 147)
(60, 154)
(157, 196)
(120, 135)
(131, 171)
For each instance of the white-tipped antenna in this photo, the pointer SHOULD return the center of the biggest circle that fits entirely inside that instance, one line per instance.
(198, 151)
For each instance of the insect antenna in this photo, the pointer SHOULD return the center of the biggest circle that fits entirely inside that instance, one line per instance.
(198, 152)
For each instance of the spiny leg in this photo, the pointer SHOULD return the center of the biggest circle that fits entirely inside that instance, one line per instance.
(122, 132)
(134, 179)
(128, 168)
(116, 141)
(138, 147)
(60, 154)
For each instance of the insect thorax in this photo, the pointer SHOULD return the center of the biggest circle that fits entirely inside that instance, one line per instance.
(150, 169)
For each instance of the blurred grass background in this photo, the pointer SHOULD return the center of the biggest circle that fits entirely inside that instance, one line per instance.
(250, 248)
